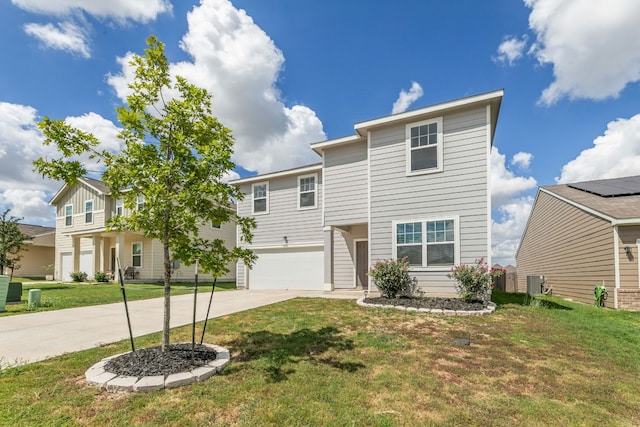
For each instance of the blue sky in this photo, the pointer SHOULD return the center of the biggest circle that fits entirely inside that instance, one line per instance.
(287, 73)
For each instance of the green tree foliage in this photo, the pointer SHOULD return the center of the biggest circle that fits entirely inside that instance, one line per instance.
(175, 156)
(11, 242)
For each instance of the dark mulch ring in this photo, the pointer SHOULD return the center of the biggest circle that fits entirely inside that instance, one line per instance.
(431, 302)
(153, 361)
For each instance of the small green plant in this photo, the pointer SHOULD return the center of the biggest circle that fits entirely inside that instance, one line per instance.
(473, 282)
(391, 277)
(79, 276)
(101, 277)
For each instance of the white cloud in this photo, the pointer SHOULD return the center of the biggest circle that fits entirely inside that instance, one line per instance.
(118, 10)
(504, 183)
(522, 160)
(21, 189)
(507, 231)
(593, 46)
(66, 36)
(511, 49)
(405, 99)
(506, 190)
(613, 155)
(240, 65)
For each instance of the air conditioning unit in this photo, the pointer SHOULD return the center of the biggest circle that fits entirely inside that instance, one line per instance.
(536, 285)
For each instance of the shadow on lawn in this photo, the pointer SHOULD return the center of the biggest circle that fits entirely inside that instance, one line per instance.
(275, 352)
(503, 298)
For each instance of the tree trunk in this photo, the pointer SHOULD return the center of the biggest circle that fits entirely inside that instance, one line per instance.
(167, 295)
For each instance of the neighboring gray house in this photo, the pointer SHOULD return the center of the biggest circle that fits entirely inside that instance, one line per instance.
(583, 234)
(413, 184)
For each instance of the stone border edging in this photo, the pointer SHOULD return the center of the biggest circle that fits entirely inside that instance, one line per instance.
(97, 376)
(491, 307)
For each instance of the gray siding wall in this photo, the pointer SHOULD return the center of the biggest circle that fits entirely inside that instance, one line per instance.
(572, 248)
(345, 183)
(344, 255)
(461, 189)
(284, 218)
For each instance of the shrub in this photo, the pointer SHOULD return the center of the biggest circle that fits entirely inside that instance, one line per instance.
(101, 277)
(79, 276)
(473, 282)
(391, 277)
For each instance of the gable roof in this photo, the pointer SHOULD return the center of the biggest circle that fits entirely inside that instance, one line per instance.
(96, 184)
(619, 210)
(35, 230)
(316, 167)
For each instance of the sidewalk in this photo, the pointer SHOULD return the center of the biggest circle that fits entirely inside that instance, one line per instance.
(28, 338)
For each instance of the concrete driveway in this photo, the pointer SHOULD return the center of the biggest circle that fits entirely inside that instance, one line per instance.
(28, 338)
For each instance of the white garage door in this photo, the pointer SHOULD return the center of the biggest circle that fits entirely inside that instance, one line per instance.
(299, 268)
(66, 261)
(86, 263)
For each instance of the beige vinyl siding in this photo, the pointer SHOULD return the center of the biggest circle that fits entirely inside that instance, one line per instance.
(345, 183)
(460, 190)
(33, 258)
(77, 195)
(284, 218)
(572, 248)
(629, 275)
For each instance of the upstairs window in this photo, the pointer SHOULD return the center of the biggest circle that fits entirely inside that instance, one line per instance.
(68, 215)
(215, 225)
(424, 146)
(88, 212)
(260, 198)
(120, 207)
(139, 203)
(429, 244)
(307, 191)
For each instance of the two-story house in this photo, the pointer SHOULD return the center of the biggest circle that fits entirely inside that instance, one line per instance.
(414, 184)
(82, 242)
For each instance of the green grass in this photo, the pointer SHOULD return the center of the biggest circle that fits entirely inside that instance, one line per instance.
(56, 296)
(312, 362)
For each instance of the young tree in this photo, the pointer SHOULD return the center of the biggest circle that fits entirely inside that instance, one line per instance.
(11, 242)
(175, 156)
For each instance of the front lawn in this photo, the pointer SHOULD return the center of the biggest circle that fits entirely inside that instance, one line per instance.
(323, 362)
(56, 296)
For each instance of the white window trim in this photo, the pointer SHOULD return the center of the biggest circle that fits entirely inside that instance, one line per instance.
(65, 216)
(86, 212)
(138, 203)
(315, 191)
(253, 212)
(119, 204)
(423, 221)
(439, 147)
(141, 252)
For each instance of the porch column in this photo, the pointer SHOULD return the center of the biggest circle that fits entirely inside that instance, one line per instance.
(98, 254)
(328, 258)
(75, 253)
(120, 262)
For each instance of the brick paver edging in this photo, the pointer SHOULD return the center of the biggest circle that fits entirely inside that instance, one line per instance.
(99, 377)
(491, 307)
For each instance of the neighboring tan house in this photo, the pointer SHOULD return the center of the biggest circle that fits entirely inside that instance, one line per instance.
(84, 244)
(583, 234)
(413, 184)
(38, 251)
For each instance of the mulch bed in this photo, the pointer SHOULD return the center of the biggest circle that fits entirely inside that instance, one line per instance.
(153, 361)
(430, 302)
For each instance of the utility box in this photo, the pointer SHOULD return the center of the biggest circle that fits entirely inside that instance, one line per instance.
(34, 298)
(535, 285)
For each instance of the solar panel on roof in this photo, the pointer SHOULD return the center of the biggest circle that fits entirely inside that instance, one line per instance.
(627, 186)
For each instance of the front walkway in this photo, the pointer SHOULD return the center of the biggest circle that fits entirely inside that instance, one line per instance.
(28, 338)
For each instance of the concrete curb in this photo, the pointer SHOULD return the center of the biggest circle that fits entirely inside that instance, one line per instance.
(97, 376)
